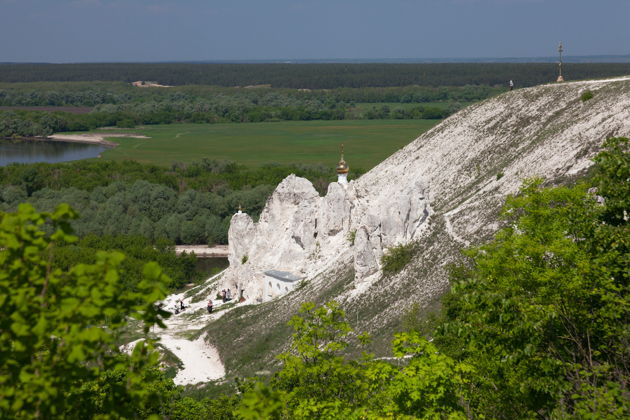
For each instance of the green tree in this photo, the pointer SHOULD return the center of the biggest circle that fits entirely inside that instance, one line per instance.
(612, 179)
(58, 329)
(541, 312)
(315, 381)
(318, 380)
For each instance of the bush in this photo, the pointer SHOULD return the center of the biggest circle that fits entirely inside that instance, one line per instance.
(586, 95)
(397, 258)
(352, 236)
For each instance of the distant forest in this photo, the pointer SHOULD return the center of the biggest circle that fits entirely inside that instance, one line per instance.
(312, 76)
(100, 104)
(184, 204)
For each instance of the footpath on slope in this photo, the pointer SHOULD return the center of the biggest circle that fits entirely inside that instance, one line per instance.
(201, 361)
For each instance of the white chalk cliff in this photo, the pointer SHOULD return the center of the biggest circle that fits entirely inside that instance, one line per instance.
(447, 184)
(442, 192)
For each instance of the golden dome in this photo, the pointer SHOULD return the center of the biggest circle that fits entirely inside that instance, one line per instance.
(342, 166)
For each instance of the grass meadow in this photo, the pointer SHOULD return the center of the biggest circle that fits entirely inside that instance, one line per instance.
(367, 142)
(365, 106)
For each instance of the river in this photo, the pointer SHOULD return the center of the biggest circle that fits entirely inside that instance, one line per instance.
(32, 151)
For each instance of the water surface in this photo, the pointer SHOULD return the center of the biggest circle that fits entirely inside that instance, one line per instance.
(211, 266)
(30, 151)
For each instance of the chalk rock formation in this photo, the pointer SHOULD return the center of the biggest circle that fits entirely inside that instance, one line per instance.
(295, 233)
(443, 190)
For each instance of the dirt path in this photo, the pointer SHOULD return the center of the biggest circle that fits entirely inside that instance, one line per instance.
(201, 360)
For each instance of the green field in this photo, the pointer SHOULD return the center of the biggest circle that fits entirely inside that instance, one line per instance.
(367, 142)
(365, 106)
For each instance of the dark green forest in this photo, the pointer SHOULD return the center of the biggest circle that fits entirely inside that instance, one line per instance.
(535, 326)
(185, 204)
(312, 76)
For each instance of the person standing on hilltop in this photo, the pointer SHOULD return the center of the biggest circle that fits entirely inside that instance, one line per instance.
(511, 85)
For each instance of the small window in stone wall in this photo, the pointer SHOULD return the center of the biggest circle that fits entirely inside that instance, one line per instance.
(270, 284)
(278, 284)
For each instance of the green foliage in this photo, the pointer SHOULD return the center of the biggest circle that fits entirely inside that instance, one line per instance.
(431, 386)
(541, 312)
(138, 250)
(586, 95)
(244, 259)
(28, 110)
(612, 179)
(397, 258)
(114, 198)
(317, 381)
(58, 332)
(352, 236)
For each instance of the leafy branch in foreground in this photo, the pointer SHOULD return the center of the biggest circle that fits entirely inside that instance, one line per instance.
(58, 329)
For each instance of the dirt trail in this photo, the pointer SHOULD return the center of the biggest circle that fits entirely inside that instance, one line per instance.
(201, 361)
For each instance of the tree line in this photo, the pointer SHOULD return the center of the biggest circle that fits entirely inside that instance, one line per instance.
(185, 204)
(312, 76)
(25, 123)
(116, 104)
(535, 326)
(90, 94)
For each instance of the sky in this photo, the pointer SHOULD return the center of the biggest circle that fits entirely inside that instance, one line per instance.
(199, 30)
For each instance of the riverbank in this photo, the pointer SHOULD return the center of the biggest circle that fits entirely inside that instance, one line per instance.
(203, 251)
(93, 138)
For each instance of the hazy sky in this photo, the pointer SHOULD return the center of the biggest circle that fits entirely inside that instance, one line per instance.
(164, 30)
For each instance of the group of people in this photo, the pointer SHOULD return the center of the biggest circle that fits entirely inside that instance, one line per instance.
(226, 295)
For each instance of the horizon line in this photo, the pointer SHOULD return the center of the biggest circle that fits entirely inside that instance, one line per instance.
(400, 60)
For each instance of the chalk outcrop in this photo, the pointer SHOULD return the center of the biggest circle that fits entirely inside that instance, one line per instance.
(443, 191)
(459, 172)
(294, 234)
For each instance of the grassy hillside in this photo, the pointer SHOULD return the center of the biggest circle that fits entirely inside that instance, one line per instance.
(367, 142)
